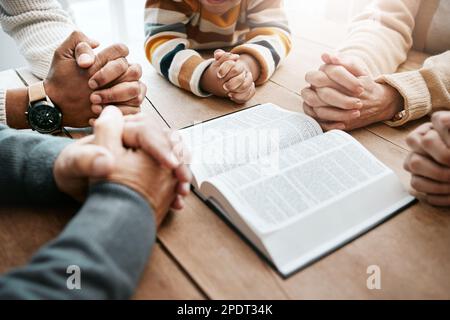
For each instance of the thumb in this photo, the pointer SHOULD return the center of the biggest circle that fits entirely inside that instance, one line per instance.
(356, 66)
(108, 129)
(218, 54)
(69, 46)
(441, 123)
(352, 64)
(90, 161)
(327, 58)
(84, 55)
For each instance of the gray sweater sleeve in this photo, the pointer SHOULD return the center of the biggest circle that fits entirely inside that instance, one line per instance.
(109, 239)
(26, 167)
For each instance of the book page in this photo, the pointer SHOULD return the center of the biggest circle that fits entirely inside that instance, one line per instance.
(312, 174)
(245, 137)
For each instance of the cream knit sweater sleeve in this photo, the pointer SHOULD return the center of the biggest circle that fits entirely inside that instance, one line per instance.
(39, 27)
(424, 90)
(382, 37)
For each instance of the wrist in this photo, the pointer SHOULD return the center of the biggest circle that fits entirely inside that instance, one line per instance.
(123, 193)
(210, 83)
(131, 185)
(252, 64)
(50, 92)
(204, 81)
(16, 108)
(394, 102)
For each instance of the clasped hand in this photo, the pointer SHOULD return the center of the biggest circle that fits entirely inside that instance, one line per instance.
(429, 161)
(342, 95)
(132, 151)
(232, 76)
(81, 82)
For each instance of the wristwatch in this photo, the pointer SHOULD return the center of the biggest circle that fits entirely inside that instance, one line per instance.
(43, 115)
(399, 116)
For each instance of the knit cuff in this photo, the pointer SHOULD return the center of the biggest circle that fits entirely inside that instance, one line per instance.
(40, 68)
(412, 86)
(38, 172)
(264, 58)
(2, 106)
(196, 78)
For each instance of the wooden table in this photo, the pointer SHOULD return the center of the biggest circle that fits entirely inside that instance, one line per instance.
(199, 257)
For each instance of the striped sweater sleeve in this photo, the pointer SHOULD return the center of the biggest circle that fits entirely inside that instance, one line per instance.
(167, 47)
(269, 38)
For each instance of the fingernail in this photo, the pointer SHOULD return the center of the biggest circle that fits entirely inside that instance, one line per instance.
(96, 99)
(85, 59)
(360, 91)
(174, 160)
(225, 88)
(356, 114)
(93, 84)
(219, 75)
(97, 109)
(175, 137)
(359, 104)
(185, 188)
(230, 96)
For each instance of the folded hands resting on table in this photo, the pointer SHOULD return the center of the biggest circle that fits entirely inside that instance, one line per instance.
(132, 151)
(81, 83)
(429, 161)
(232, 76)
(342, 95)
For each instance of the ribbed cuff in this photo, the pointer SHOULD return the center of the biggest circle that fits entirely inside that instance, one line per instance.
(40, 61)
(412, 86)
(38, 172)
(253, 49)
(2, 106)
(41, 68)
(196, 77)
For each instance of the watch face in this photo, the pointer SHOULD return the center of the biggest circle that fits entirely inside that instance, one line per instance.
(44, 118)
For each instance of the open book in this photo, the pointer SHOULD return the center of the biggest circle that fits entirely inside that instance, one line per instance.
(294, 192)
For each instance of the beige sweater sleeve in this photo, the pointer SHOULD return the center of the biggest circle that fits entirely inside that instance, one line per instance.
(382, 35)
(424, 90)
